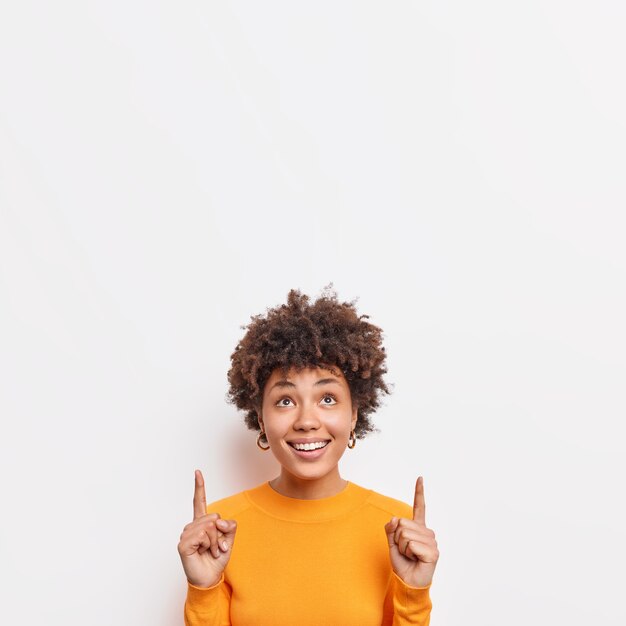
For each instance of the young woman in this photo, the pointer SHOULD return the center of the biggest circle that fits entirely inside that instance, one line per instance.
(308, 547)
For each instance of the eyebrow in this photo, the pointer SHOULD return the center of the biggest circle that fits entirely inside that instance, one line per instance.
(322, 381)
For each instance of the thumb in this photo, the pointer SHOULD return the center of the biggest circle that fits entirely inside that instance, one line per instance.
(390, 529)
(228, 527)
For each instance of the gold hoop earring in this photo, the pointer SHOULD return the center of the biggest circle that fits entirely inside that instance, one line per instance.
(352, 439)
(258, 441)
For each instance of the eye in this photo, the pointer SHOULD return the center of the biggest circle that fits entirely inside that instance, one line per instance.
(327, 395)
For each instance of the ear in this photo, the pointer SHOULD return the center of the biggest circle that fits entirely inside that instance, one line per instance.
(355, 412)
(260, 419)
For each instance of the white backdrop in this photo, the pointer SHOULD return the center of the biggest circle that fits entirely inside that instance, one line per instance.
(169, 169)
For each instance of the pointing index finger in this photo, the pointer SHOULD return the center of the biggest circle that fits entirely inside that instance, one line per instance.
(419, 504)
(199, 497)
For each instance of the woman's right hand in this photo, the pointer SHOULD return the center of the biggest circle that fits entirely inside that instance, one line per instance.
(205, 543)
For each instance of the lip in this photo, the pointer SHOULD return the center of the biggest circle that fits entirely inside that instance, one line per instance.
(305, 440)
(309, 455)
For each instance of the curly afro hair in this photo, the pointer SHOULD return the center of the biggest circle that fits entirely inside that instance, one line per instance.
(298, 335)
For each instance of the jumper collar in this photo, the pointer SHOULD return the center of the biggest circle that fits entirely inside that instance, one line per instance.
(266, 498)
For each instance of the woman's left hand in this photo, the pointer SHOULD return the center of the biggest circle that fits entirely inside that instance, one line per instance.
(412, 547)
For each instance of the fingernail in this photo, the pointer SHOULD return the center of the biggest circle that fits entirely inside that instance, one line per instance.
(224, 546)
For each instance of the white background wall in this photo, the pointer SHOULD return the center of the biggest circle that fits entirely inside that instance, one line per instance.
(169, 169)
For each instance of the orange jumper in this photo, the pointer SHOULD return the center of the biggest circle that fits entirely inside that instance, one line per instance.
(309, 562)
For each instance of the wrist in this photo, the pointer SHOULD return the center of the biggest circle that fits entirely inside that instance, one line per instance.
(207, 583)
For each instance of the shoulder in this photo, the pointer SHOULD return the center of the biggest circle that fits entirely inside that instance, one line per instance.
(389, 506)
(230, 506)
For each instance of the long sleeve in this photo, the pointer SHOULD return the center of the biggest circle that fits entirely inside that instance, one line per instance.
(406, 605)
(297, 561)
(208, 606)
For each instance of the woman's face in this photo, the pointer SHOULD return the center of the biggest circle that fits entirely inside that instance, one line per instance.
(313, 405)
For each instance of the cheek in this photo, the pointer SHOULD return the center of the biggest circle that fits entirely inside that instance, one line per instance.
(341, 419)
(277, 425)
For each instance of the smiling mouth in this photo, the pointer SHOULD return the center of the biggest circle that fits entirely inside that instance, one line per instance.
(309, 447)
(310, 455)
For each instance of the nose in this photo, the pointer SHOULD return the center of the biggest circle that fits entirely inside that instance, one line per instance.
(306, 419)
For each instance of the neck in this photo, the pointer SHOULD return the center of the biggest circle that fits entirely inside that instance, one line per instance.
(309, 489)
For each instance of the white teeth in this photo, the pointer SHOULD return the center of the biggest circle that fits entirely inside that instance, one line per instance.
(309, 446)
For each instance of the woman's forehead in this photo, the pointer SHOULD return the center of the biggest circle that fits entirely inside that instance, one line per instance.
(307, 373)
